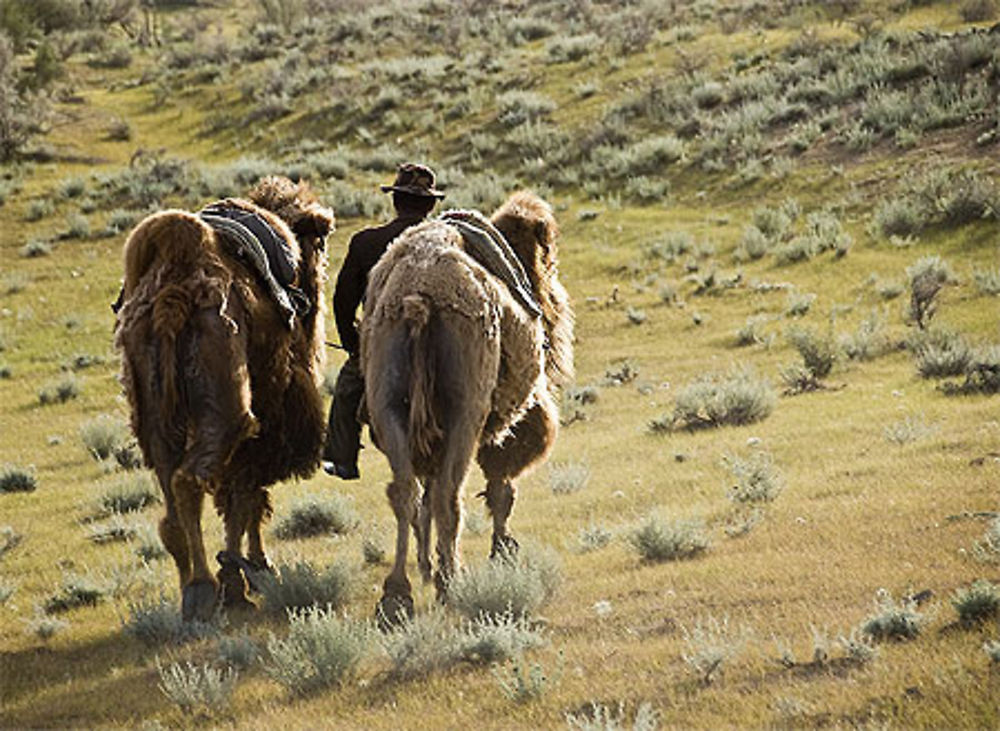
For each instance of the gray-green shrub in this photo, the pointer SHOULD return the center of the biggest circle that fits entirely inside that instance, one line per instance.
(321, 650)
(197, 688)
(315, 515)
(977, 603)
(755, 478)
(14, 478)
(736, 398)
(102, 434)
(74, 591)
(657, 539)
(941, 353)
(520, 584)
(300, 585)
(568, 477)
(894, 620)
(926, 277)
(60, 391)
(710, 644)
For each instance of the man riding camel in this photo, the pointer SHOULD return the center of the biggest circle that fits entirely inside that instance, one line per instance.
(413, 198)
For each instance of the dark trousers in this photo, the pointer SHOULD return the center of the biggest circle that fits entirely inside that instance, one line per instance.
(343, 433)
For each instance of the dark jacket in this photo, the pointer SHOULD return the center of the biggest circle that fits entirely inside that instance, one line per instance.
(364, 251)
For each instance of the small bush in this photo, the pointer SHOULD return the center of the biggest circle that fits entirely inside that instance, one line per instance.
(519, 107)
(987, 281)
(910, 429)
(735, 398)
(320, 651)
(59, 392)
(75, 591)
(315, 516)
(77, 227)
(148, 545)
(819, 354)
(522, 683)
(44, 627)
(893, 620)
(899, 217)
(9, 540)
(301, 585)
(992, 650)
(798, 303)
(102, 434)
(598, 717)
(520, 584)
(129, 494)
(941, 353)
(17, 479)
(200, 688)
(36, 248)
(977, 603)
(756, 478)
(710, 644)
(153, 622)
(988, 549)
(657, 540)
(7, 590)
(238, 651)
(593, 537)
(568, 477)
(422, 645)
(869, 341)
(38, 209)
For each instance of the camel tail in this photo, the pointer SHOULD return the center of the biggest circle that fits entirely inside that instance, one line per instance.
(423, 427)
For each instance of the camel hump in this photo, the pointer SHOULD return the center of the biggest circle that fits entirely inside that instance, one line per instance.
(173, 237)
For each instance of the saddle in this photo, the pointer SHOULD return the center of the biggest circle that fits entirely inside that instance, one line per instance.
(264, 250)
(485, 244)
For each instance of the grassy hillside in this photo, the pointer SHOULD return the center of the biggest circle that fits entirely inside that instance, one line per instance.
(781, 233)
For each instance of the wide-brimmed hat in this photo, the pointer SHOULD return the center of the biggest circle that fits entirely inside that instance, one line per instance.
(414, 179)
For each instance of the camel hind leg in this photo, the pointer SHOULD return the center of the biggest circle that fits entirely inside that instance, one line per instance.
(529, 442)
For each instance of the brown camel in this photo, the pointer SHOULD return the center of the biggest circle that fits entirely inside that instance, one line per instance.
(455, 367)
(222, 383)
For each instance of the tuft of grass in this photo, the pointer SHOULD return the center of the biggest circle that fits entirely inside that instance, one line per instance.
(893, 620)
(977, 603)
(566, 478)
(301, 585)
(710, 644)
(320, 651)
(14, 478)
(756, 478)
(102, 435)
(987, 281)
(736, 398)
(197, 688)
(315, 516)
(520, 584)
(656, 539)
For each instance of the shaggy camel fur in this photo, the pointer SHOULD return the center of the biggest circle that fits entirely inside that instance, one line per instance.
(454, 367)
(224, 395)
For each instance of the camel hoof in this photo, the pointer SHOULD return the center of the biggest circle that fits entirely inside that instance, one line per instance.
(393, 610)
(198, 601)
(504, 547)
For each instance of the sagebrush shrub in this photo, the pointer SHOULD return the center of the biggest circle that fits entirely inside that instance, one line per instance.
(317, 515)
(869, 341)
(910, 429)
(520, 584)
(75, 590)
(321, 650)
(423, 644)
(977, 603)
(44, 626)
(657, 539)
(489, 639)
(7, 590)
(894, 620)
(987, 281)
(819, 353)
(735, 398)
(14, 478)
(129, 493)
(596, 716)
(987, 550)
(102, 434)
(756, 479)
(200, 688)
(927, 276)
(301, 585)
(593, 537)
(521, 682)
(61, 391)
(710, 644)
(238, 651)
(568, 477)
(899, 217)
(940, 353)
